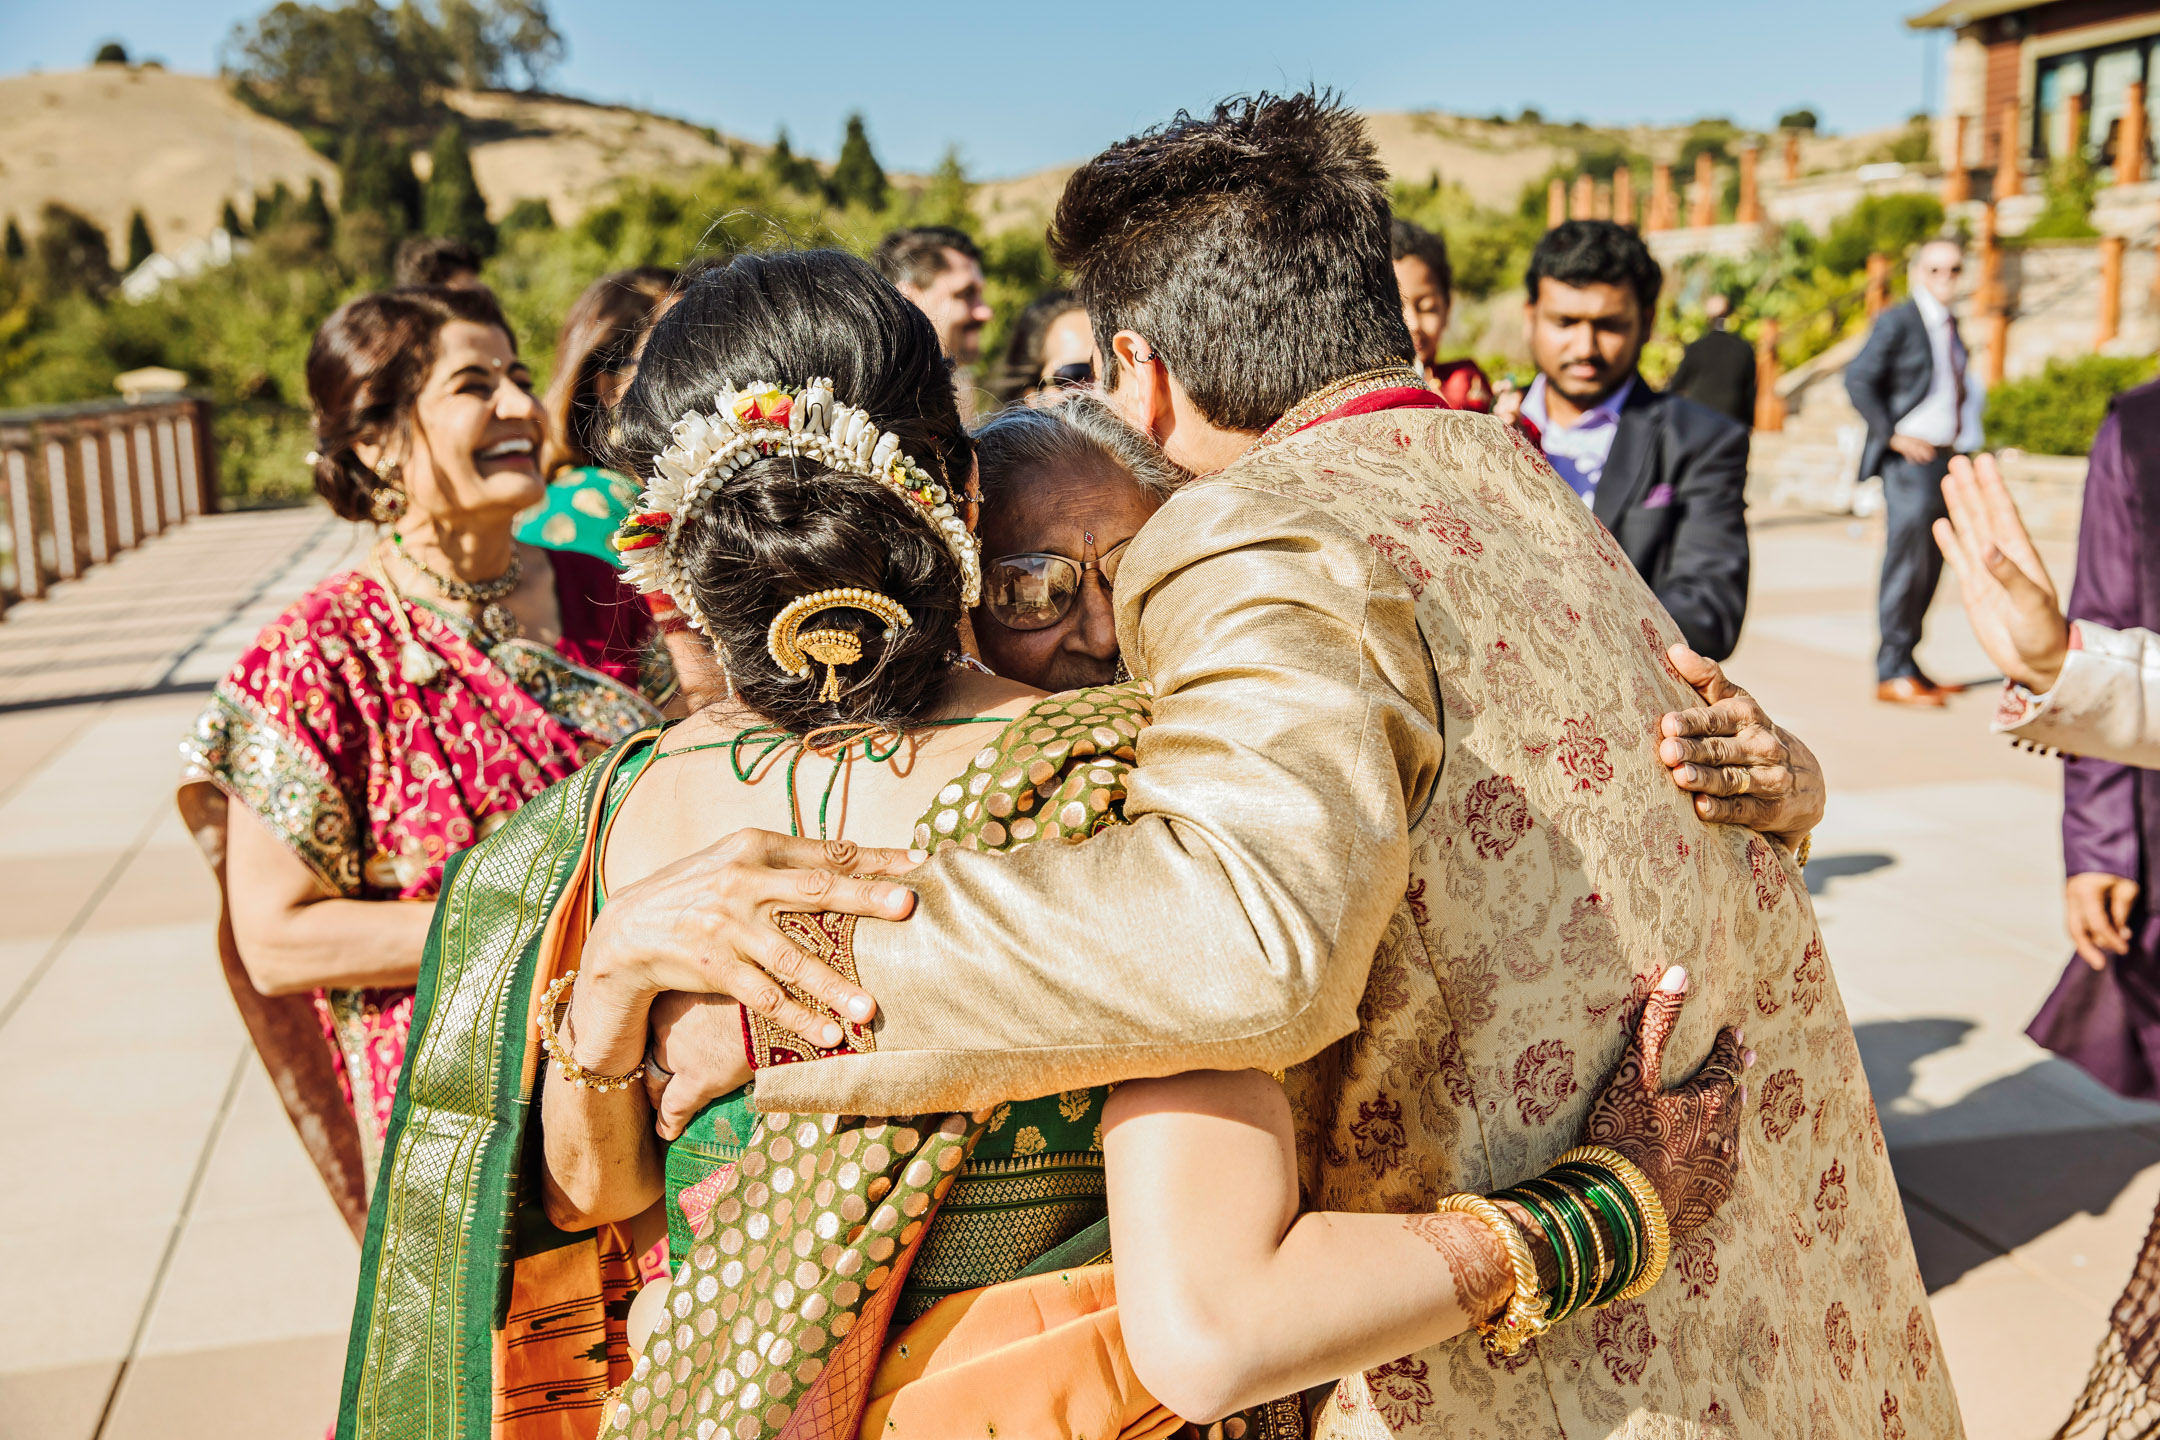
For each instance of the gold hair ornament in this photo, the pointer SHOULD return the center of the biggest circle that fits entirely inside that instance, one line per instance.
(758, 422)
(794, 649)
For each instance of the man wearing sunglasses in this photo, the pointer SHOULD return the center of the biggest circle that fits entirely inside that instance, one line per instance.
(1915, 390)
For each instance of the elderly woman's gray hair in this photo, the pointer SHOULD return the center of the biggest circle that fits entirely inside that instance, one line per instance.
(1081, 431)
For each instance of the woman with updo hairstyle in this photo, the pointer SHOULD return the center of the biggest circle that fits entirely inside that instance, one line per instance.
(579, 1087)
(400, 709)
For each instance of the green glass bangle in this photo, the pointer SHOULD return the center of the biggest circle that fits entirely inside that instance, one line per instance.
(1565, 1258)
(1620, 1227)
(1576, 1216)
(1617, 1202)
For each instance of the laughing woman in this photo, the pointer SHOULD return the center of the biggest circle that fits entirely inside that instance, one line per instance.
(400, 710)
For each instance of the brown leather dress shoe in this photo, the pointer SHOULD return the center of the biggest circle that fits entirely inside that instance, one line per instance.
(1909, 690)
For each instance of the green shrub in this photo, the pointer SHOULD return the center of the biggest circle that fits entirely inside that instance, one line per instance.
(1889, 224)
(2068, 213)
(2058, 411)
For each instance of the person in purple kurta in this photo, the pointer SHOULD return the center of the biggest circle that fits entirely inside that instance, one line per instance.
(2104, 1016)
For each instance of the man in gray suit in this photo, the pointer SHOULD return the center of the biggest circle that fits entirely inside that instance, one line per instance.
(1911, 383)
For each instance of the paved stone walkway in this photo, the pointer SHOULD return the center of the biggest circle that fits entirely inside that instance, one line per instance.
(170, 1267)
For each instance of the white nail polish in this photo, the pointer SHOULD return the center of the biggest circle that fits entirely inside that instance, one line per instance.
(858, 1009)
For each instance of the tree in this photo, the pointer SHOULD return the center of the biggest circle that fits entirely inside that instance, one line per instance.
(315, 210)
(140, 246)
(112, 52)
(1880, 224)
(71, 254)
(338, 71)
(857, 178)
(944, 201)
(379, 200)
(453, 204)
(271, 208)
(13, 247)
(784, 167)
(229, 221)
(1802, 119)
(530, 213)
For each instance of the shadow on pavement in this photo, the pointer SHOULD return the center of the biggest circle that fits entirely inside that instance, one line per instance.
(1991, 1194)
(1823, 869)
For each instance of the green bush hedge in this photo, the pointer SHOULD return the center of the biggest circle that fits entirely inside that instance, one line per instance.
(2058, 411)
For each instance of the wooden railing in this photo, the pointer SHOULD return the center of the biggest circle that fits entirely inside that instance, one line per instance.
(81, 483)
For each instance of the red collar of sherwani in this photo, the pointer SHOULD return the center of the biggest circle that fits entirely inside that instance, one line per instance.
(1395, 387)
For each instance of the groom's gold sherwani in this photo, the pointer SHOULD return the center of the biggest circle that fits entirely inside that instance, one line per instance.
(1399, 824)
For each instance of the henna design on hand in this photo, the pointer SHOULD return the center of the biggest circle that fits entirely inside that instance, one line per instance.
(1686, 1140)
(1477, 1263)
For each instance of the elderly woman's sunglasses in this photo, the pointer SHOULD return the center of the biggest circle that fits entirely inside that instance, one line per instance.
(1036, 589)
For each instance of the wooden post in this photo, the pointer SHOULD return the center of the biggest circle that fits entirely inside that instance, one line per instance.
(2073, 125)
(1792, 156)
(1878, 283)
(1769, 405)
(1989, 298)
(1555, 202)
(1583, 204)
(1750, 211)
(2130, 140)
(1661, 198)
(1998, 343)
(1601, 205)
(1705, 213)
(2010, 164)
(2111, 267)
(1957, 182)
(1623, 196)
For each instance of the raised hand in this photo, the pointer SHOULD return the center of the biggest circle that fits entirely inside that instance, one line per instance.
(1742, 768)
(1686, 1140)
(2005, 586)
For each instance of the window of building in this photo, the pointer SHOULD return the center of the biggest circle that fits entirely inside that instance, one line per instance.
(2099, 79)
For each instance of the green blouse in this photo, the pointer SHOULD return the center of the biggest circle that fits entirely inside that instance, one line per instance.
(583, 509)
(1033, 1181)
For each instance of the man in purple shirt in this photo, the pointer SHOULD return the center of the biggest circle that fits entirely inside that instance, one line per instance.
(1666, 475)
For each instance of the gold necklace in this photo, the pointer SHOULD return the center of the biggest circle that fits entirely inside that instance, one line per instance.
(494, 621)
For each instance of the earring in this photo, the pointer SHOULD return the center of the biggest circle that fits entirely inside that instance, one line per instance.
(386, 503)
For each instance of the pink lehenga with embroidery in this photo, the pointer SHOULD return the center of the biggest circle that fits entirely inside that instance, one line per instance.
(374, 778)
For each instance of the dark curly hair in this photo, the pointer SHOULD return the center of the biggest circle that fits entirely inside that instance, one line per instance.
(364, 371)
(1250, 247)
(785, 527)
(1597, 252)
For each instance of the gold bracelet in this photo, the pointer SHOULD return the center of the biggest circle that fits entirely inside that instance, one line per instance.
(1524, 1319)
(1647, 1205)
(1803, 849)
(552, 1042)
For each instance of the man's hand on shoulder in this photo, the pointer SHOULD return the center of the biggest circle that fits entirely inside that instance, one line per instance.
(1742, 768)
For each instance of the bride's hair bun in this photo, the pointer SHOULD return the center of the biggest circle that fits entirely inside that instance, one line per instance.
(787, 526)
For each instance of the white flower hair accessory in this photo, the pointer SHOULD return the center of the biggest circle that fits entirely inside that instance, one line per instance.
(762, 420)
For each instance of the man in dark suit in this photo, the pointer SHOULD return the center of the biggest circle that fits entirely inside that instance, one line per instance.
(1718, 370)
(1910, 384)
(1666, 475)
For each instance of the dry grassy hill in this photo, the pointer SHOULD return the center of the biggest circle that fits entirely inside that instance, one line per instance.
(111, 138)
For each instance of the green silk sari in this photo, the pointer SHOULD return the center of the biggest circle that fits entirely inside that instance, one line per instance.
(476, 1317)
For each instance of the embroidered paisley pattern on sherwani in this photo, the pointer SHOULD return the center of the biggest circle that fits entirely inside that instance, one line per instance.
(1328, 623)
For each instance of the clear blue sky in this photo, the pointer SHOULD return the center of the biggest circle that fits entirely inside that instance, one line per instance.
(1026, 84)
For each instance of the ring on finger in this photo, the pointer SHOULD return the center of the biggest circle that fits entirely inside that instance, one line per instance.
(655, 1066)
(1746, 782)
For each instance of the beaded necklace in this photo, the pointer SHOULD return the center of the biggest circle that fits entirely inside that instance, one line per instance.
(763, 742)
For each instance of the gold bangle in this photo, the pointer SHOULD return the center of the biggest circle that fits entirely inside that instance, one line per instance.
(1524, 1319)
(551, 1041)
(1803, 850)
(1647, 1205)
